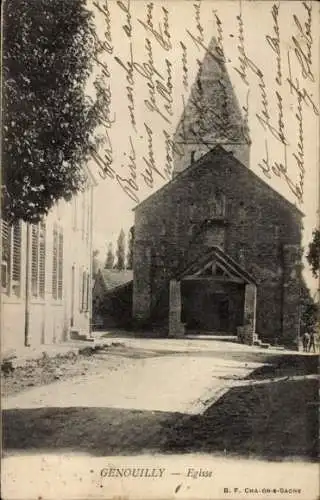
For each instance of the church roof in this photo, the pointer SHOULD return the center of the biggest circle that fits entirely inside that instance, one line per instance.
(212, 113)
(216, 152)
(113, 278)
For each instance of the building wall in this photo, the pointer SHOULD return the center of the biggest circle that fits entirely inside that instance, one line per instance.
(62, 302)
(255, 226)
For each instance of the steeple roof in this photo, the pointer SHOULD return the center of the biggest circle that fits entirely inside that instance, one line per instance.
(212, 114)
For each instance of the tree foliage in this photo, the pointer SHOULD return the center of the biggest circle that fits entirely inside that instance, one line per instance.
(313, 255)
(309, 310)
(121, 250)
(130, 248)
(95, 263)
(110, 257)
(48, 121)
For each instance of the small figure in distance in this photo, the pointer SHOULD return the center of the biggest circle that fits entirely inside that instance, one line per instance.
(305, 341)
(312, 342)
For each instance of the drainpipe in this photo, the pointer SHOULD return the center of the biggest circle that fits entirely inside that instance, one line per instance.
(90, 261)
(27, 291)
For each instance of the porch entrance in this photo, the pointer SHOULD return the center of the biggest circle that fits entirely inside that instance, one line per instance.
(211, 306)
(213, 294)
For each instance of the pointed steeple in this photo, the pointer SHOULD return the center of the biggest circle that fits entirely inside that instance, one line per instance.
(212, 114)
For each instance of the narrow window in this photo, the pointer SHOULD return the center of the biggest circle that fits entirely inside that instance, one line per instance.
(5, 256)
(11, 258)
(42, 259)
(55, 263)
(16, 258)
(34, 259)
(60, 265)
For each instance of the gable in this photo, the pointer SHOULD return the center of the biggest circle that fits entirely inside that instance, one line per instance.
(213, 160)
(216, 263)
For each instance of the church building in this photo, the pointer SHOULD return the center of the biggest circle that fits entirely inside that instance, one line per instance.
(216, 249)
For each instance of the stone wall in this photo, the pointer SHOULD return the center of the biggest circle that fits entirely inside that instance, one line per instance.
(291, 294)
(141, 301)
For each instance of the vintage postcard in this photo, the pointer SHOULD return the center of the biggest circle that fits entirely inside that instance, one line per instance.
(160, 249)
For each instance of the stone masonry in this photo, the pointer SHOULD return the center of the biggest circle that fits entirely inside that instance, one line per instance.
(172, 227)
(215, 201)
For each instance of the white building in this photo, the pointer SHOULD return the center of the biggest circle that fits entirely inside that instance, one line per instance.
(46, 275)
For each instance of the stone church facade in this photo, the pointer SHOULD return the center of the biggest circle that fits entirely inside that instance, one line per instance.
(216, 249)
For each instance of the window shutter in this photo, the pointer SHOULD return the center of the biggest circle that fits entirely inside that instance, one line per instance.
(16, 257)
(60, 265)
(34, 259)
(55, 263)
(5, 255)
(42, 259)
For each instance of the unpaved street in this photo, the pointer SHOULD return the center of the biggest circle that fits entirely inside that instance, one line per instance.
(141, 396)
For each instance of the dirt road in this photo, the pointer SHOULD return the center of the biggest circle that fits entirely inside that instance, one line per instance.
(141, 397)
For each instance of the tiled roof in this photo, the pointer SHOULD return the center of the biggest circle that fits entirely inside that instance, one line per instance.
(113, 278)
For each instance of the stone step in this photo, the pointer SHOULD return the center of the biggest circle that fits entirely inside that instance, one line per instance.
(264, 345)
(77, 335)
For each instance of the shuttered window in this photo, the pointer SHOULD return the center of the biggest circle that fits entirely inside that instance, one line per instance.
(60, 265)
(34, 259)
(11, 258)
(42, 259)
(38, 254)
(57, 263)
(16, 254)
(5, 255)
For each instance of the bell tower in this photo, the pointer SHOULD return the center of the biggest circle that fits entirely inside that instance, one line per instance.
(211, 116)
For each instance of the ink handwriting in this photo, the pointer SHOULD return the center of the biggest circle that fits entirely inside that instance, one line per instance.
(274, 42)
(127, 28)
(162, 36)
(154, 69)
(129, 184)
(304, 55)
(102, 48)
(147, 175)
(128, 68)
(185, 80)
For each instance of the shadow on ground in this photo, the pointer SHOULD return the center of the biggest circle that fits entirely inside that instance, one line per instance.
(286, 365)
(273, 420)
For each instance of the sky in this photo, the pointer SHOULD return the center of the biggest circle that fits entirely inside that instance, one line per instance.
(272, 57)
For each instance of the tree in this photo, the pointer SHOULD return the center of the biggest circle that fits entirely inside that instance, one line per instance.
(130, 248)
(309, 310)
(47, 132)
(95, 263)
(121, 249)
(110, 257)
(313, 255)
